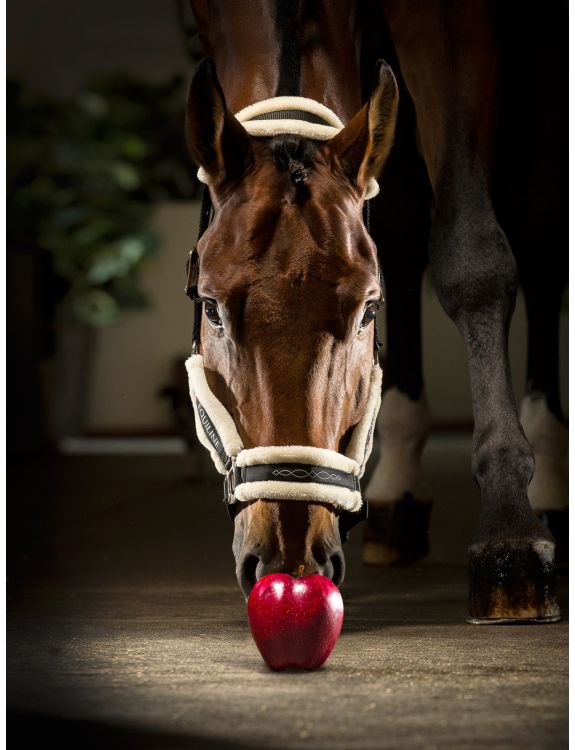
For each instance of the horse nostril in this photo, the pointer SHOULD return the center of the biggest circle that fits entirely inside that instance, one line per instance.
(330, 565)
(247, 573)
(319, 553)
(337, 561)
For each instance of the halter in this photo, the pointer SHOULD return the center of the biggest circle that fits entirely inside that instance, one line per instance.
(292, 472)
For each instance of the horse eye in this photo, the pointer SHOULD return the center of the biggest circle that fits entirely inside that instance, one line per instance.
(369, 314)
(213, 314)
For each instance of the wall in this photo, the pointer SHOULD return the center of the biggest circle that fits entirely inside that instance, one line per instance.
(55, 46)
(133, 358)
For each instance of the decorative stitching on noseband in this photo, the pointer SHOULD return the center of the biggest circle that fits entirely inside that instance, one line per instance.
(302, 473)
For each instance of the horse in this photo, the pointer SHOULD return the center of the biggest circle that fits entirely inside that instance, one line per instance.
(292, 118)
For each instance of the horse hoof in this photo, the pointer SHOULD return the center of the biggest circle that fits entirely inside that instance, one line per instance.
(397, 533)
(512, 582)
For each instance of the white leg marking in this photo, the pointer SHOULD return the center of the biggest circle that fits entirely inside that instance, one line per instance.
(549, 489)
(403, 427)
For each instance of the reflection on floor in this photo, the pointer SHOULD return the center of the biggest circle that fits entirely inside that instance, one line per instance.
(127, 629)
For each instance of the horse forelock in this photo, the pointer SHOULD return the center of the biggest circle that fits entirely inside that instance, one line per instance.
(289, 216)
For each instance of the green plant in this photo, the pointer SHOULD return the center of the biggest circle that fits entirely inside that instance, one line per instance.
(82, 176)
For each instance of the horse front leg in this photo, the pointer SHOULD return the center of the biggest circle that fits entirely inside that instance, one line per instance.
(511, 558)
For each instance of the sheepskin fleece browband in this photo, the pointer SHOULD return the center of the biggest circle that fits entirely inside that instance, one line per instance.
(263, 128)
(294, 466)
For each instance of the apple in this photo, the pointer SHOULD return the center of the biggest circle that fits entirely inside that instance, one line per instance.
(295, 622)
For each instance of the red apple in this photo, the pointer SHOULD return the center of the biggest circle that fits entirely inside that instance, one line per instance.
(295, 622)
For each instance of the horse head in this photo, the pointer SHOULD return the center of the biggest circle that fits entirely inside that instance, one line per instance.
(290, 282)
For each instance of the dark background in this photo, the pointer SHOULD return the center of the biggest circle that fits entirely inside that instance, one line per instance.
(56, 46)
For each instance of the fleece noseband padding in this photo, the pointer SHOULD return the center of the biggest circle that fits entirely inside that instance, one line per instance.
(286, 472)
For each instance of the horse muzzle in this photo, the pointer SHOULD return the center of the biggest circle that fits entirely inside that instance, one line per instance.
(300, 539)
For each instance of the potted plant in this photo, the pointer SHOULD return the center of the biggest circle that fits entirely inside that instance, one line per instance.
(82, 179)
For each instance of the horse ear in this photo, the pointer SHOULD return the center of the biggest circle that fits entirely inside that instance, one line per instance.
(363, 146)
(216, 140)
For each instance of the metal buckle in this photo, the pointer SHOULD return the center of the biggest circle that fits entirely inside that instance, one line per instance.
(193, 269)
(230, 483)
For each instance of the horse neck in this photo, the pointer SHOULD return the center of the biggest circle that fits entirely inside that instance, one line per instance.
(264, 49)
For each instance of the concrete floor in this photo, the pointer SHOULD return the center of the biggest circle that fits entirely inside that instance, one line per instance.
(126, 628)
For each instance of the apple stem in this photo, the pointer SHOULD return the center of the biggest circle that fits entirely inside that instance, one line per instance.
(300, 570)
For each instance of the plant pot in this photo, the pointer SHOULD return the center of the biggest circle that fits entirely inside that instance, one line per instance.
(71, 376)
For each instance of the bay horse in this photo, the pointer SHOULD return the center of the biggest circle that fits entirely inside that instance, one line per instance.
(287, 276)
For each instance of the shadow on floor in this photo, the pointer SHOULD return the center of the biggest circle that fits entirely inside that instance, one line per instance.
(30, 729)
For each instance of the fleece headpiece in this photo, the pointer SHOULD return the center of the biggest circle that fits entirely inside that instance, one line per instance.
(294, 115)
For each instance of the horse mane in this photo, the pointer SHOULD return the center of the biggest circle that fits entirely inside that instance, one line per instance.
(293, 154)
